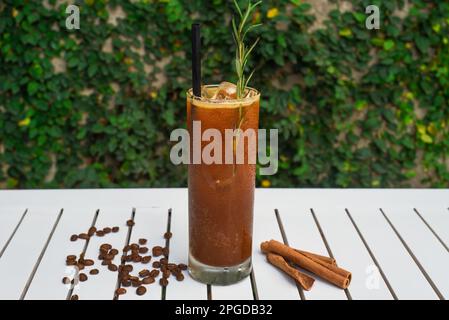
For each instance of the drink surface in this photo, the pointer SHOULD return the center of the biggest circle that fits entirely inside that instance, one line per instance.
(221, 196)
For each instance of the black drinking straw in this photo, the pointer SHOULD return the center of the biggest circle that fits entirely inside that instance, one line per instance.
(196, 59)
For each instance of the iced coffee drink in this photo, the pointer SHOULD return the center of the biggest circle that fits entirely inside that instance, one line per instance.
(221, 193)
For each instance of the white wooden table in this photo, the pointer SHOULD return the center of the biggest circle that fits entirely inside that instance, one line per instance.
(395, 242)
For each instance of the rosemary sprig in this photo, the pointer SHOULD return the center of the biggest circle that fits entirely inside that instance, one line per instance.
(243, 52)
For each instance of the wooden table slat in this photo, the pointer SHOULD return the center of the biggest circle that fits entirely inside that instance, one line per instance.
(22, 253)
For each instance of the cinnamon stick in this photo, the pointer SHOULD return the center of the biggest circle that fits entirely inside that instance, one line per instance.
(326, 271)
(304, 280)
(317, 257)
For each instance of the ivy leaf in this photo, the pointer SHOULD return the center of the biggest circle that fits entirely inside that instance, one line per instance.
(388, 45)
(32, 87)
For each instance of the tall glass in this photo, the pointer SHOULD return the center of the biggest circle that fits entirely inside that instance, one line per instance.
(221, 196)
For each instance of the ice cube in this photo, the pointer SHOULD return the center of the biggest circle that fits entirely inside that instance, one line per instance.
(226, 91)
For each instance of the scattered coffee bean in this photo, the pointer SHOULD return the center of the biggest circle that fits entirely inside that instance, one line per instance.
(163, 282)
(167, 235)
(143, 241)
(128, 268)
(83, 277)
(148, 280)
(144, 273)
(74, 297)
(113, 252)
(126, 248)
(154, 273)
(83, 236)
(143, 250)
(141, 291)
(100, 233)
(136, 283)
(71, 263)
(126, 283)
(165, 251)
(166, 273)
(106, 247)
(182, 266)
(107, 230)
(94, 271)
(106, 262)
(73, 238)
(137, 258)
(163, 261)
(156, 264)
(112, 267)
(180, 277)
(120, 291)
(157, 251)
(80, 266)
(115, 229)
(88, 262)
(91, 231)
(66, 280)
(71, 257)
(146, 259)
(130, 223)
(171, 266)
(134, 246)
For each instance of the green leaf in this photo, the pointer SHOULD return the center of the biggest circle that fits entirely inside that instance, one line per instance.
(32, 87)
(388, 45)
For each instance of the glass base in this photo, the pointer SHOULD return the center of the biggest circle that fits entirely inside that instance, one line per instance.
(221, 276)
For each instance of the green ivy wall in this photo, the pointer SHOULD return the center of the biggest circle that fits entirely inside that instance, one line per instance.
(94, 107)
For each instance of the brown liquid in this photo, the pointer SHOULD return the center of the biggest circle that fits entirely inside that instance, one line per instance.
(221, 196)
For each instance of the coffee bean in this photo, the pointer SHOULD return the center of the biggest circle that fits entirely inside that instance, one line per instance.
(126, 248)
(88, 262)
(163, 282)
(106, 247)
(144, 273)
(157, 251)
(141, 291)
(137, 259)
(126, 283)
(128, 258)
(165, 251)
(154, 273)
(120, 291)
(113, 252)
(148, 280)
(71, 257)
(180, 277)
(91, 231)
(112, 267)
(71, 263)
(83, 236)
(80, 266)
(167, 235)
(83, 277)
(143, 241)
(100, 233)
(171, 266)
(115, 229)
(128, 268)
(74, 297)
(134, 246)
(66, 280)
(182, 266)
(136, 283)
(156, 264)
(143, 250)
(74, 238)
(146, 259)
(130, 223)
(94, 271)
(166, 273)
(106, 262)
(107, 230)
(163, 261)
